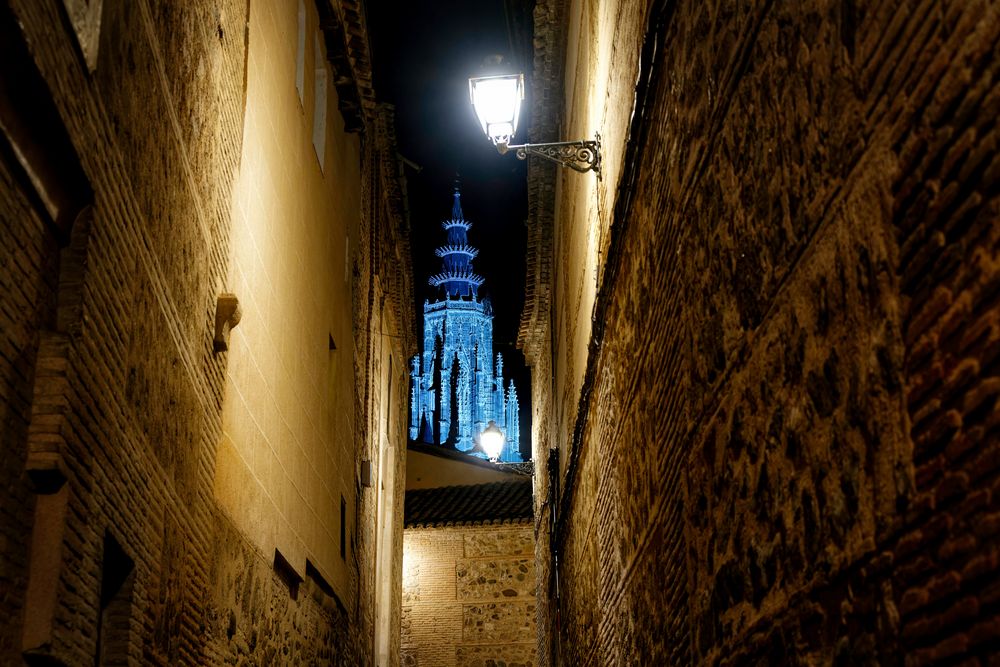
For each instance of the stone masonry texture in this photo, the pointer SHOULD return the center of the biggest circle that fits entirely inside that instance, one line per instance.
(469, 596)
(765, 343)
(120, 541)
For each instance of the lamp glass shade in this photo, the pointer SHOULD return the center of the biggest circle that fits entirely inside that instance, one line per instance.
(491, 440)
(497, 101)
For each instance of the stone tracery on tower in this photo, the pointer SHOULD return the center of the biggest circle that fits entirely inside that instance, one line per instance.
(457, 384)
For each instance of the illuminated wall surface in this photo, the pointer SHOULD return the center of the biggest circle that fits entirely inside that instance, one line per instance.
(456, 381)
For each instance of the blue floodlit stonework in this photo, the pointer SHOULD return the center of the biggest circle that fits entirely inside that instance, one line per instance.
(457, 383)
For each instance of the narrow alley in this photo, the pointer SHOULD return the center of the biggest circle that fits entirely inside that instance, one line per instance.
(510, 333)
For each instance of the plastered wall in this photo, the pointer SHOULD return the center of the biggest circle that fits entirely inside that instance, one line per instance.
(287, 452)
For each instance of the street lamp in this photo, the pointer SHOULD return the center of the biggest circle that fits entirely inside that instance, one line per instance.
(497, 101)
(491, 440)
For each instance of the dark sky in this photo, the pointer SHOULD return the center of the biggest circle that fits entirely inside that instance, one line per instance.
(423, 55)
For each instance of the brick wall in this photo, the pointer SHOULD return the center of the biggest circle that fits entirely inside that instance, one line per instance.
(468, 596)
(782, 449)
(27, 281)
(121, 537)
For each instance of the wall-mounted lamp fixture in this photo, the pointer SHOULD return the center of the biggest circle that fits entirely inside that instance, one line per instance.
(491, 440)
(497, 101)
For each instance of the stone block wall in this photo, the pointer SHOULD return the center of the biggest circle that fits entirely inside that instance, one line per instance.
(120, 538)
(782, 449)
(469, 596)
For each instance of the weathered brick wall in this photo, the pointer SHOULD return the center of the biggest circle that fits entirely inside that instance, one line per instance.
(945, 216)
(469, 596)
(786, 451)
(127, 393)
(27, 281)
(141, 383)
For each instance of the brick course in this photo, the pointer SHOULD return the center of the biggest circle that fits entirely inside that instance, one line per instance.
(109, 376)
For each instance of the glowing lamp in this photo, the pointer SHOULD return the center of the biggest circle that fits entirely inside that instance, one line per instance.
(491, 440)
(497, 102)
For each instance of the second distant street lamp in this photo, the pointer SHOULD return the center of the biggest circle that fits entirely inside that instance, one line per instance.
(491, 440)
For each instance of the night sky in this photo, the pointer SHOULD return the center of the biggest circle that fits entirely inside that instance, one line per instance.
(423, 55)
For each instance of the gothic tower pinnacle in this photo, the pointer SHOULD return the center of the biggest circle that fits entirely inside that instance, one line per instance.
(457, 278)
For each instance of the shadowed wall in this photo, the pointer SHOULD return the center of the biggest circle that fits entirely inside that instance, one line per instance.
(771, 330)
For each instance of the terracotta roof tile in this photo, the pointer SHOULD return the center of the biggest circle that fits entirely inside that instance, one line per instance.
(497, 502)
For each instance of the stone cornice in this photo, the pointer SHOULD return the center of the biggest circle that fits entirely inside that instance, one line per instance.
(394, 265)
(546, 105)
(345, 33)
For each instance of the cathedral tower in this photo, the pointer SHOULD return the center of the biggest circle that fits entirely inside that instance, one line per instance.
(456, 381)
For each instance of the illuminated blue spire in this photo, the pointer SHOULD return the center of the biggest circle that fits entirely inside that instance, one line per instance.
(456, 277)
(456, 377)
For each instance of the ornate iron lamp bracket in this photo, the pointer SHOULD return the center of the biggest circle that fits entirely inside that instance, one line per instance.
(582, 156)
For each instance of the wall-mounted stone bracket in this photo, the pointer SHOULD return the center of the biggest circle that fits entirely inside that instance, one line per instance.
(46, 443)
(227, 316)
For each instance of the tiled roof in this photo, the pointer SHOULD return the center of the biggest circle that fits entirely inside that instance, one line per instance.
(497, 502)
